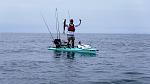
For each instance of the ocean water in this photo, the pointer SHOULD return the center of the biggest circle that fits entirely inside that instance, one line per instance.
(121, 59)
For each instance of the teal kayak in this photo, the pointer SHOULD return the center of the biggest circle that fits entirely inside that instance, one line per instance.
(90, 50)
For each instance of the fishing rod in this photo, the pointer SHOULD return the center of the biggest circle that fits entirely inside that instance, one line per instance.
(47, 26)
(65, 21)
(58, 29)
(68, 14)
(57, 24)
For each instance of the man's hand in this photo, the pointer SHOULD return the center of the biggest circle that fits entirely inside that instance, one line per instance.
(80, 20)
(64, 20)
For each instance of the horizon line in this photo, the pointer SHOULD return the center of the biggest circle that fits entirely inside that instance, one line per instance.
(65, 33)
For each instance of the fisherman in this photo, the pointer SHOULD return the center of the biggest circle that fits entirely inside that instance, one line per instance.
(70, 33)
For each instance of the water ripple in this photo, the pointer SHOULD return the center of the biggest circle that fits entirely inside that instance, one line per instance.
(121, 59)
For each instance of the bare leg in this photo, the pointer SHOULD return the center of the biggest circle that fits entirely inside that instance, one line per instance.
(72, 43)
(68, 44)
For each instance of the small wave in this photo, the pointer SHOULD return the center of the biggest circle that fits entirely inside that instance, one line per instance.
(20, 51)
(121, 44)
(2, 78)
(1, 53)
(2, 41)
(9, 69)
(126, 81)
(133, 73)
(33, 78)
(12, 70)
(23, 64)
(145, 78)
(98, 83)
(100, 71)
(48, 72)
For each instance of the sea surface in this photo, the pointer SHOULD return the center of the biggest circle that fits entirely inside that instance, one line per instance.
(121, 59)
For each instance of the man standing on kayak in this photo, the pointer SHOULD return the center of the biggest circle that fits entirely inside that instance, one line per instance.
(70, 32)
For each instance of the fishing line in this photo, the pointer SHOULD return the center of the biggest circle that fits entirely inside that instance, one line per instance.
(47, 26)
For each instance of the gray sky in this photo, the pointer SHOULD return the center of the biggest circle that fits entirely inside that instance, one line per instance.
(98, 16)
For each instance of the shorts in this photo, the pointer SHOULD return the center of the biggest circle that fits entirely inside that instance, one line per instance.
(70, 37)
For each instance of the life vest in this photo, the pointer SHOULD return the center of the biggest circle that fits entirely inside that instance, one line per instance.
(71, 28)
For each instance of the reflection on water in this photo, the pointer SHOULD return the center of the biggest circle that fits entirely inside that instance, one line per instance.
(57, 54)
(71, 55)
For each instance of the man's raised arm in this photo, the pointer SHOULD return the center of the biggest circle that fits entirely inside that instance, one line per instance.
(78, 24)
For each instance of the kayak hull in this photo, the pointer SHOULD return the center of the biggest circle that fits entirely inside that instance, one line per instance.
(91, 50)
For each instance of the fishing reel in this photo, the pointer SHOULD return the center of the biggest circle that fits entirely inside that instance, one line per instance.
(57, 43)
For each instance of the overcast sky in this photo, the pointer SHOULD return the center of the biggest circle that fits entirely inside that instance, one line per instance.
(98, 16)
